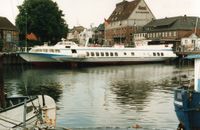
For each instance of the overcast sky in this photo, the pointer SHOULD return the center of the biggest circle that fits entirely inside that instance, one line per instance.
(93, 12)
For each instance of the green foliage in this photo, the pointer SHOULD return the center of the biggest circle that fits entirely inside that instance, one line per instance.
(43, 18)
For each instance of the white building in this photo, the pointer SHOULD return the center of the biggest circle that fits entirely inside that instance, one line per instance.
(191, 43)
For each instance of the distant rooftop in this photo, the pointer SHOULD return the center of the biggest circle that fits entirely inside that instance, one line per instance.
(123, 10)
(6, 24)
(173, 23)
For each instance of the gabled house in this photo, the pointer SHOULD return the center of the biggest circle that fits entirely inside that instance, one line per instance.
(191, 43)
(126, 18)
(9, 35)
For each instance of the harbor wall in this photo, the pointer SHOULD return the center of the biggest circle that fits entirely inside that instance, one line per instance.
(12, 59)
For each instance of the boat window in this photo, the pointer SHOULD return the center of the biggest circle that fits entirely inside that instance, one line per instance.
(51, 50)
(107, 54)
(162, 54)
(67, 46)
(44, 50)
(97, 53)
(87, 53)
(57, 51)
(158, 53)
(132, 53)
(74, 51)
(111, 54)
(102, 54)
(124, 53)
(92, 53)
(116, 54)
(154, 54)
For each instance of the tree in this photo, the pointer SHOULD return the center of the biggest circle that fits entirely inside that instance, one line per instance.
(43, 18)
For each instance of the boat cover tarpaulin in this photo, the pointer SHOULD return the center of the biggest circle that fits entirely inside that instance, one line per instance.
(193, 56)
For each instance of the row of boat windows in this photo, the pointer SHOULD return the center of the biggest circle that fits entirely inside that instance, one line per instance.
(47, 50)
(116, 54)
(96, 53)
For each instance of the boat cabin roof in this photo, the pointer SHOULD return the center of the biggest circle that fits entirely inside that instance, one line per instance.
(66, 43)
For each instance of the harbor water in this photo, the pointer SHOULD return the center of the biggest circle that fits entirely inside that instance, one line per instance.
(102, 97)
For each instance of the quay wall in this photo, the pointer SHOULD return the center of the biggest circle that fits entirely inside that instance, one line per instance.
(12, 59)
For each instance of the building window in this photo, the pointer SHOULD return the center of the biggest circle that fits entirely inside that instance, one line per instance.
(170, 34)
(153, 35)
(132, 53)
(163, 34)
(157, 35)
(116, 54)
(193, 41)
(154, 54)
(150, 35)
(174, 34)
(8, 37)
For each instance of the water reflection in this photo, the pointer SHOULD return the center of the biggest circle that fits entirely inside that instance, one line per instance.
(117, 96)
(31, 82)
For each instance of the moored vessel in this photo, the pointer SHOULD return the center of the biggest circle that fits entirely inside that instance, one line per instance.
(70, 53)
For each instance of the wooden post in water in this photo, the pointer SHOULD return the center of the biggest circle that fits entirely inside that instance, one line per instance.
(2, 97)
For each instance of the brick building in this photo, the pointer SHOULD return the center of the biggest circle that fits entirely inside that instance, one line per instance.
(126, 18)
(9, 35)
(169, 30)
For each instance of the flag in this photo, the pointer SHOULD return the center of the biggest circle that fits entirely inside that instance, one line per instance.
(106, 22)
(31, 36)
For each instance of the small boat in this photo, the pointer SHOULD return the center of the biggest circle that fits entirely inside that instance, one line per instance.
(187, 99)
(22, 112)
(70, 53)
(28, 112)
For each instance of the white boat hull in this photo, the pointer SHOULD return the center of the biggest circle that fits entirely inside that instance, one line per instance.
(13, 117)
(35, 57)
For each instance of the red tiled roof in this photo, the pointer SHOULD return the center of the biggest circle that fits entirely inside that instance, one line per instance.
(123, 10)
(6, 24)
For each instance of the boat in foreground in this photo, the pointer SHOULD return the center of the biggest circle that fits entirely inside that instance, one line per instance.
(22, 112)
(70, 53)
(28, 112)
(187, 100)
